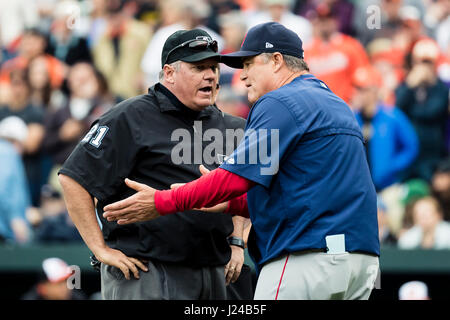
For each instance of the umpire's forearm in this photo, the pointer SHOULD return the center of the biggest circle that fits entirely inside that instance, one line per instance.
(80, 206)
(240, 225)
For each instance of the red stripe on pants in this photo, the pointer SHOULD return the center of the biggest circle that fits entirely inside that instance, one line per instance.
(281, 278)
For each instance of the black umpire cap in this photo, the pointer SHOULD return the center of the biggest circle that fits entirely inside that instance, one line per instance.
(265, 37)
(189, 46)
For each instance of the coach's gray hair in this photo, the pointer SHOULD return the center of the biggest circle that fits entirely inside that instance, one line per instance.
(175, 65)
(293, 63)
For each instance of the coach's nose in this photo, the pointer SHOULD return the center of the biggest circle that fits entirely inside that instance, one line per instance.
(243, 75)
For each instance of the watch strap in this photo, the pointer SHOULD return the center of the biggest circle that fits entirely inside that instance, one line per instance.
(235, 241)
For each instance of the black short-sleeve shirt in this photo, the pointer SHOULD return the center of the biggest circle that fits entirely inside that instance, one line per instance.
(156, 140)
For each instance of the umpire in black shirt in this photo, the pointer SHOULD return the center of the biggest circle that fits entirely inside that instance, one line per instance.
(158, 139)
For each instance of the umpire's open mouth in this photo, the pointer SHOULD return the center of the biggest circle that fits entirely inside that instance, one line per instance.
(207, 89)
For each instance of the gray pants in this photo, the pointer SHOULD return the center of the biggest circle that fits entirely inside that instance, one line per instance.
(164, 281)
(318, 276)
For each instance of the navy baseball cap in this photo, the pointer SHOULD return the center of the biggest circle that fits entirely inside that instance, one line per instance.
(265, 37)
(189, 46)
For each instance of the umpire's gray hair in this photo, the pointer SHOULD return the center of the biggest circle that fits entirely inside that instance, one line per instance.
(175, 65)
(293, 63)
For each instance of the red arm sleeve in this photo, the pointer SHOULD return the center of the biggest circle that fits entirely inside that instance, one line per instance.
(217, 186)
(238, 206)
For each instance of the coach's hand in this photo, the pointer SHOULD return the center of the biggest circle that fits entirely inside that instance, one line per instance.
(119, 260)
(136, 208)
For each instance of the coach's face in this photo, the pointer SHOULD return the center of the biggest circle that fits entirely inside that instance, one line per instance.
(257, 74)
(194, 83)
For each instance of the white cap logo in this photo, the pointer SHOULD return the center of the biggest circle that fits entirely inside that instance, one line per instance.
(269, 45)
(229, 160)
(56, 269)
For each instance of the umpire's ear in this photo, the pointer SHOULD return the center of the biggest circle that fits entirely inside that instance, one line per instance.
(169, 71)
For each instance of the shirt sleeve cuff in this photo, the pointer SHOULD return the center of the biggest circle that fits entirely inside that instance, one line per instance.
(164, 203)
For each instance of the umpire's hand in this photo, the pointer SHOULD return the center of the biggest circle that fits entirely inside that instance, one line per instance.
(234, 266)
(136, 208)
(116, 258)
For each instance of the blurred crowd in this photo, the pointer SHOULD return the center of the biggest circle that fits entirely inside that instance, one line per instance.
(63, 63)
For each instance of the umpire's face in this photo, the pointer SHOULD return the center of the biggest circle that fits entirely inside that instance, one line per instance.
(193, 83)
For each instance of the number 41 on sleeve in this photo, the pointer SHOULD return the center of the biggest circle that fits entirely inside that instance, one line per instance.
(96, 135)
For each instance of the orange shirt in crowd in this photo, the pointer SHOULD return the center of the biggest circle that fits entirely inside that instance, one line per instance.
(247, 5)
(56, 69)
(334, 62)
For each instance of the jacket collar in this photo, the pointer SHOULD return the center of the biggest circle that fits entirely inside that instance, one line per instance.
(168, 102)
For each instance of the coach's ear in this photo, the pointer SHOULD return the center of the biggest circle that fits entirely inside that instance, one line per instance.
(277, 60)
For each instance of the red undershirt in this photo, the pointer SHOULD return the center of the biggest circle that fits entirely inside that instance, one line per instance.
(216, 187)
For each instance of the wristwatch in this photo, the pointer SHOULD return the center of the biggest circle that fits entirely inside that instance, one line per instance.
(235, 241)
